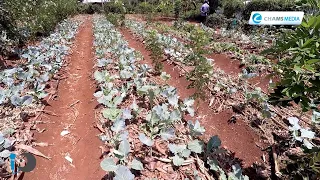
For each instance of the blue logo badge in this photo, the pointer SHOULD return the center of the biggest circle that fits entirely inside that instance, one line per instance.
(257, 18)
(28, 167)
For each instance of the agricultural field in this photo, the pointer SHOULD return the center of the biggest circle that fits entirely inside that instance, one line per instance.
(143, 90)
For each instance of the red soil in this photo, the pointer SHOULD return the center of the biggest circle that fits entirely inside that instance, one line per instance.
(82, 143)
(261, 81)
(238, 137)
(226, 64)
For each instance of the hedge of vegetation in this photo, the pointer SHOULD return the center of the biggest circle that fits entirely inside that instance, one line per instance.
(22, 20)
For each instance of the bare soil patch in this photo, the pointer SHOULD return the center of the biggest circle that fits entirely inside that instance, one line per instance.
(226, 64)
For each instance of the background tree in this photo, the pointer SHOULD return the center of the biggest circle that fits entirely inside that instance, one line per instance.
(214, 4)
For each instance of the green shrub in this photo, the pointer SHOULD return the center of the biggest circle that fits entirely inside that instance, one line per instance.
(268, 5)
(144, 8)
(130, 6)
(40, 17)
(231, 7)
(191, 15)
(214, 5)
(83, 9)
(299, 69)
(177, 8)
(165, 8)
(46, 19)
(311, 7)
(155, 47)
(115, 19)
(97, 8)
(115, 7)
(216, 21)
(66, 8)
(9, 35)
(22, 20)
(90, 8)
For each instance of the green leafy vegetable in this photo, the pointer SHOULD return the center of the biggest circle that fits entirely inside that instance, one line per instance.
(111, 113)
(137, 165)
(123, 173)
(108, 164)
(145, 140)
(196, 146)
(177, 161)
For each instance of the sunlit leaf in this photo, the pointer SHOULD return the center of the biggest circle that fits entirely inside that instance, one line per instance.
(137, 165)
(99, 76)
(21, 101)
(98, 94)
(316, 117)
(214, 165)
(108, 164)
(177, 161)
(167, 133)
(145, 140)
(307, 133)
(26, 100)
(126, 114)
(134, 106)
(103, 62)
(5, 153)
(124, 147)
(175, 115)
(111, 113)
(125, 74)
(196, 146)
(175, 149)
(196, 129)
(123, 173)
(295, 123)
(186, 153)
(118, 125)
(173, 100)
(307, 144)
(164, 76)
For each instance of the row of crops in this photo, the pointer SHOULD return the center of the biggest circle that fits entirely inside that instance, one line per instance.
(231, 42)
(23, 88)
(22, 83)
(178, 52)
(246, 99)
(143, 122)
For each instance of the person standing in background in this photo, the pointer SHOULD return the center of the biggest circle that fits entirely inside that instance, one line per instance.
(204, 11)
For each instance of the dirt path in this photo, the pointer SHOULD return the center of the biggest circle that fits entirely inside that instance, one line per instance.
(81, 144)
(238, 137)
